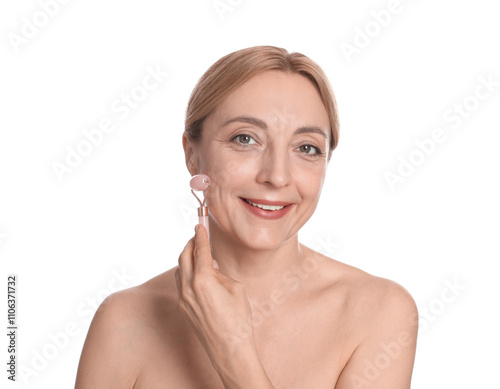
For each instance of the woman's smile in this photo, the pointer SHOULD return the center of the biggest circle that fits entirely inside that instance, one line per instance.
(270, 212)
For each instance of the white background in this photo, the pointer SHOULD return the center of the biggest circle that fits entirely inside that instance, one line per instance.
(127, 208)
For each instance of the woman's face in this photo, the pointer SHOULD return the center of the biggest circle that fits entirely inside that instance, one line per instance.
(267, 141)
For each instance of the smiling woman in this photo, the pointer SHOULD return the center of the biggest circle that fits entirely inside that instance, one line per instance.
(254, 308)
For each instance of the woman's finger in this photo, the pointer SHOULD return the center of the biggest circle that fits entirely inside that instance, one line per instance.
(185, 268)
(203, 261)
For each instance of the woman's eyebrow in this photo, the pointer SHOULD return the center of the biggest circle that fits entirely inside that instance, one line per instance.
(259, 123)
(315, 129)
(247, 119)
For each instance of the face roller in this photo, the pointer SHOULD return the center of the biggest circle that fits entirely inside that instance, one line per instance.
(201, 182)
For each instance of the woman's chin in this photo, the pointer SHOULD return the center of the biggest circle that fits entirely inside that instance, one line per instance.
(263, 240)
(262, 245)
(252, 236)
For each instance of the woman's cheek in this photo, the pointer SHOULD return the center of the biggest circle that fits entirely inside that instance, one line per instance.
(228, 172)
(310, 182)
(223, 176)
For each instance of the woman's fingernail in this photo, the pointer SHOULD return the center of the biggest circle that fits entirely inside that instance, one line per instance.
(196, 228)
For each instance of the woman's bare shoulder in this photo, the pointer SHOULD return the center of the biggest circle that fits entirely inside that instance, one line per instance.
(380, 315)
(132, 305)
(363, 292)
(117, 339)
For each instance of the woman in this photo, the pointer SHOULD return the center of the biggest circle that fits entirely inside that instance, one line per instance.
(254, 308)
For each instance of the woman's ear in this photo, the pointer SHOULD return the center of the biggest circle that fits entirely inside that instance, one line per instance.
(190, 154)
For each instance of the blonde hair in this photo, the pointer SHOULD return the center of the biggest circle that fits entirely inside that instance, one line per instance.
(232, 70)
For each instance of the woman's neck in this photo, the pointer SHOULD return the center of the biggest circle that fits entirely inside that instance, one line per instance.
(261, 270)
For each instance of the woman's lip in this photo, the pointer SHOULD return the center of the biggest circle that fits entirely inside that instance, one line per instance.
(266, 202)
(268, 215)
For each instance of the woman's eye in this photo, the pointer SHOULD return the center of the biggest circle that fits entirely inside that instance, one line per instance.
(309, 149)
(244, 139)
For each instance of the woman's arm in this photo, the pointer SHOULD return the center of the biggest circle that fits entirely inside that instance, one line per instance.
(218, 310)
(384, 357)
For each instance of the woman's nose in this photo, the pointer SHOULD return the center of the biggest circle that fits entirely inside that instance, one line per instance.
(274, 168)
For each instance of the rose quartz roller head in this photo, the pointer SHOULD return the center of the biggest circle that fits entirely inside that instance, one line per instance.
(201, 182)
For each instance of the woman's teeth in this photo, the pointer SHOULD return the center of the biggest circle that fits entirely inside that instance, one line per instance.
(266, 207)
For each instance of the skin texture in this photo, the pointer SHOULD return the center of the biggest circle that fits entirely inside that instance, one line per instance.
(269, 312)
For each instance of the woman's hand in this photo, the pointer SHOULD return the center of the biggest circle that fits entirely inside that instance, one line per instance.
(216, 307)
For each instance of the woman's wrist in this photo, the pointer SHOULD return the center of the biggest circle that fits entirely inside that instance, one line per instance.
(243, 370)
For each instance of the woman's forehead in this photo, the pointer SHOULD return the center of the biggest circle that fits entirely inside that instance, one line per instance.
(274, 98)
